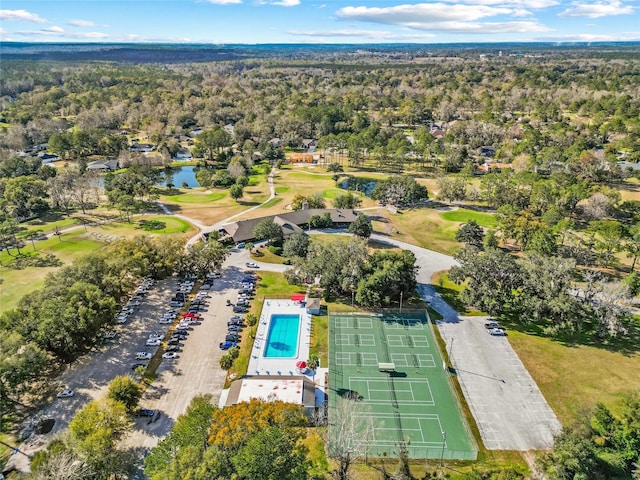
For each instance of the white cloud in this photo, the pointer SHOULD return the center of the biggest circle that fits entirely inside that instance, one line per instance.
(53, 29)
(370, 34)
(596, 10)
(533, 4)
(224, 2)
(81, 23)
(420, 14)
(592, 37)
(60, 33)
(286, 3)
(21, 15)
(443, 17)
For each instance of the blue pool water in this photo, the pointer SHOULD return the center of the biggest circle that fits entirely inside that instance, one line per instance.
(282, 338)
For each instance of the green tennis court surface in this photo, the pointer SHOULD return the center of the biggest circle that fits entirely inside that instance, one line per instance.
(413, 403)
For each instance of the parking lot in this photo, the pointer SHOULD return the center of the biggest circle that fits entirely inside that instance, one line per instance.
(196, 370)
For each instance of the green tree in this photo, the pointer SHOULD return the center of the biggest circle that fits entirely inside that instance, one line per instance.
(361, 226)
(272, 454)
(125, 390)
(26, 196)
(188, 435)
(452, 188)
(226, 362)
(471, 233)
(268, 230)
(236, 191)
(347, 201)
(296, 245)
(572, 458)
(94, 433)
(204, 257)
(606, 236)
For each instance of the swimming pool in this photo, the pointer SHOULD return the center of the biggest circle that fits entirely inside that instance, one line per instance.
(283, 335)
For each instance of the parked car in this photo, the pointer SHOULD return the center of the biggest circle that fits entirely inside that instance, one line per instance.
(136, 366)
(496, 331)
(153, 336)
(109, 334)
(240, 309)
(173, 348)
(241, 245)
(176, 303)
(143, 355)
(173, 341)
(235, 323)
(153, 342)
(179, 336)
(169, 355)
(234, 328)
(67, 393)
(489, 325)
(232, 337)
(252, 265)
(166, 321)
(182, 331)
(205, 286)
(145, 412)
(227, 345)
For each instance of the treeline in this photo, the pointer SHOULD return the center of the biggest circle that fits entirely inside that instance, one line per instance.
(549, 109)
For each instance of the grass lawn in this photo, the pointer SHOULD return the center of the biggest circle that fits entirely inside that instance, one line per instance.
(264, 255)
(575, 377)
(18, 282)
(463, 215)
(195, 197)
(423, 227)
(215, 208)
(71, 245)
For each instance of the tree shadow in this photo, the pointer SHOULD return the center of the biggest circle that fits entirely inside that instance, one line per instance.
(33, 259)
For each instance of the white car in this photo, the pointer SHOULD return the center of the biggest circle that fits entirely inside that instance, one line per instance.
(153, 336)
(109, 334)
(166, 321)
(496, 332)
(66, 393)
(169, 355)
(153, 342)
(252, 265)
(121, 319)
(143, 355)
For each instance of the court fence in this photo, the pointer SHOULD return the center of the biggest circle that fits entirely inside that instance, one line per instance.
(422, 452)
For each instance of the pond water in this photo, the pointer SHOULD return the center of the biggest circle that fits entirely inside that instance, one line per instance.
(365, 185)
(180, 175)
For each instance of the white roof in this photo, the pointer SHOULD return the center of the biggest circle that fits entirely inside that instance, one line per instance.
(286, 390)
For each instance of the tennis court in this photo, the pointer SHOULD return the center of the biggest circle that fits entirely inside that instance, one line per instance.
(412, 401)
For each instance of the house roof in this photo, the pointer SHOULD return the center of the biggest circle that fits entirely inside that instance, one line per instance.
(292, 389)
(242, 230)
(313, 303)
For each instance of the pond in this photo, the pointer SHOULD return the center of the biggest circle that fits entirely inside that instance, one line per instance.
(179, 176)
(359, 184)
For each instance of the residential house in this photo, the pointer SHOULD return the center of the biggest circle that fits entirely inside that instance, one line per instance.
(183, 155)
(104, 165)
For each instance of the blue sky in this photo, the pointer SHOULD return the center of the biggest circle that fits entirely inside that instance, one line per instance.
(319, 21)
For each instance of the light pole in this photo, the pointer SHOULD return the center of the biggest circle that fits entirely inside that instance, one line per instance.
(401, 302)
(444, 442)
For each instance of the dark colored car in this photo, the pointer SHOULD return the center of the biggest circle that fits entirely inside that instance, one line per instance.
(226, 345)
(490, 325)
(179, 336)
(182, 331)
(232, 337)
(237, 323)
(240, 309)
(173, 348)
(234, 328)
(145, 412)
(136, 366)
(173, 341)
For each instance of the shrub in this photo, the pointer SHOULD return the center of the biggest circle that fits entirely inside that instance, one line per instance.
(275, 250)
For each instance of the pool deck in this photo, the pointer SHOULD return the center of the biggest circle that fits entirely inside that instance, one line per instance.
(258, 365)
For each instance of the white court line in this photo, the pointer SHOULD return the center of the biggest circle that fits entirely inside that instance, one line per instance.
(344, 339)
(364, 323)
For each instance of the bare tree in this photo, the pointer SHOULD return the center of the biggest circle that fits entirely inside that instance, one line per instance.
(64, 465)
(350, 429)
